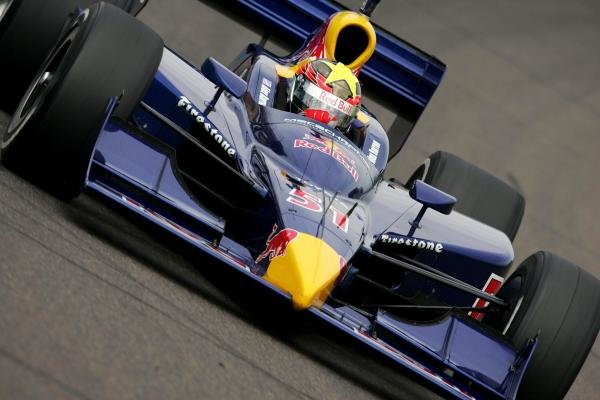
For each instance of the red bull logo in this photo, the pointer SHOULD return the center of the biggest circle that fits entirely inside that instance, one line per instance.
(327, 147)
(277, 243)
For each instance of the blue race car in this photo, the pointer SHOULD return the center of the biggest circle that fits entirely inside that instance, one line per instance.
(274, 167)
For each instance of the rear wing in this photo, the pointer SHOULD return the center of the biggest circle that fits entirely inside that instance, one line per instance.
(398, 74)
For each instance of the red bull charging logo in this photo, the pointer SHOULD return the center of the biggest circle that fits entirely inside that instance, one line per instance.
(277, 243)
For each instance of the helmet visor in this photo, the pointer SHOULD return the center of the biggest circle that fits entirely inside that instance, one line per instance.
(307, 95)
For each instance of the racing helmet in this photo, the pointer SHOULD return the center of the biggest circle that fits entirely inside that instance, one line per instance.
(327, 91)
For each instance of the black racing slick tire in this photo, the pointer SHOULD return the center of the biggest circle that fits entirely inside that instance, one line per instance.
(479, 194)
(104, 54)
(556, 299)
(28, 31)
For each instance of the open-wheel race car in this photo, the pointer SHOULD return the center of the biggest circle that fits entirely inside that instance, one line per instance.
(274, 167)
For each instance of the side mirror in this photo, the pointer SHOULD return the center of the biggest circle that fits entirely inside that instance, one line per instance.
(225, 79)
(431, 197)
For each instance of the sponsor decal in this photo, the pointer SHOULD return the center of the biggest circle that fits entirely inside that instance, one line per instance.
(265, 91)
(331, 100)
(311, 202)
(339, 219)
(186, 104)
(305, 200)
(491, 286)
(323, 130)
(312, 125)
(374, 151)
(323, 147)
(393, 238)
(343, 264)
(277, 243)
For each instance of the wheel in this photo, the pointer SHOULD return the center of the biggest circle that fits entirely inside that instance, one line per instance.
(105, 53)
(479, 194)
(24, 44)
(556, 298)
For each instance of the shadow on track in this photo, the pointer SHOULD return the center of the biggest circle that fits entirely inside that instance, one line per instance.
(239, 296)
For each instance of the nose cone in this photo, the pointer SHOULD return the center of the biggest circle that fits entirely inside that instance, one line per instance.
(307, 269)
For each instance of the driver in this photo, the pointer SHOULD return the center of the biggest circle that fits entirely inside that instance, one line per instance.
(326, 91)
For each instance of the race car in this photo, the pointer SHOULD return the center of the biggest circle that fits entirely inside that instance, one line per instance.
(275, 168)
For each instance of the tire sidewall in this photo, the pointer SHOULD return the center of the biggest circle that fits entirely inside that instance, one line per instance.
(8, 17)
(44, 146)
(530, 274)
(85, 22)
(112, 55)
(555, 295)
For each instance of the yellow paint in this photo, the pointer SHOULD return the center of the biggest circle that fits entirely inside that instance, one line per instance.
(362, 117)
(302, 63)
(339, 72)
(307, 270)
(286, 72)
(341, 20)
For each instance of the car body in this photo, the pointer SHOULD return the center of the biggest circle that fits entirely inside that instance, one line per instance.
(289, 202)
(215, 157)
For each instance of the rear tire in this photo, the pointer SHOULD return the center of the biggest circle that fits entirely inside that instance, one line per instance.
(105, 53)
(479, 194)
(561, 301)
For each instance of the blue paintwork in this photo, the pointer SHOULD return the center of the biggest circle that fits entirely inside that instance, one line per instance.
(420, 348)
(472, 250)
(280, 152)
(452, 340)
(218, 74)
(150, 169)
(432, 197)
(280, 135)
(263, 69)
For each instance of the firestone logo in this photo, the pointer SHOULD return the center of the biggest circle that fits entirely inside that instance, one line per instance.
(277, 243)
(409, 242)
(185, 103)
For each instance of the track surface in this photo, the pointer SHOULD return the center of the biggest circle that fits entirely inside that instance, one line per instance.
(93, 306)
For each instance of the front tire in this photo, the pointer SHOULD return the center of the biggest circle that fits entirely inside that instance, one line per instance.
(560, 301)
(28, 31)
(106, 53)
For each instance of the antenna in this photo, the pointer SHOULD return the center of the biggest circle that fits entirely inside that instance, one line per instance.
(368, 7)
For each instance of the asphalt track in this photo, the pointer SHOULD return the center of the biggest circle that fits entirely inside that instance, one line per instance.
(95, 305)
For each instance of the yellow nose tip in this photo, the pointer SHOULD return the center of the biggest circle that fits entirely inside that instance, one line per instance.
(307, 270)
